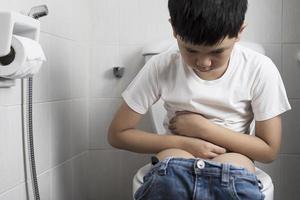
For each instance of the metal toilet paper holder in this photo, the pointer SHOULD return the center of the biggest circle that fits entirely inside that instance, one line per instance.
(14, 23)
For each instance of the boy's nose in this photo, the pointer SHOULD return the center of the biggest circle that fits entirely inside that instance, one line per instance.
(203, 62)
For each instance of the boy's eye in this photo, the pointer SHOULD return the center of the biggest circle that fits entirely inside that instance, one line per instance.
(191, 51)
(218, 52)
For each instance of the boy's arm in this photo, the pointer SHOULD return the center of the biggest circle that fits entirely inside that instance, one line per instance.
(262, 147)
(124, 135)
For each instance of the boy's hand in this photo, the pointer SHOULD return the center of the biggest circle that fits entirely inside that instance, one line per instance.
(201, 148)
(188, 124)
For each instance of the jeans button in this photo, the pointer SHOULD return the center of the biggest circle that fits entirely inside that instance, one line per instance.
(200, 164)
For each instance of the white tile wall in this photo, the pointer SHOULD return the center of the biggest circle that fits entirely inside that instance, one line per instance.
(291, 69)
(17, 192)
(65, 74)
(104, 174)
(59, 59)
(11, 96)
(61, 182)
(68, 19)
(60, 142)
(104, 58)
(289, 177)
(156, 26)
(274, 51)
(11, 152)
(99, 123)
(80, 62)
(66, 181)
(111, 173)
(80, 176)
(291, 130)
(263, 21)
(60, 107)
(101, 114)
(79, 126)
(42, 134)
(105, 21)
(291, 15)
(117, 21)
(131, 26)
(147, 26)
(102, 81)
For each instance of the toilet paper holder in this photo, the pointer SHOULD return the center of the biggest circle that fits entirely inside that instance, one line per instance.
(14, 23)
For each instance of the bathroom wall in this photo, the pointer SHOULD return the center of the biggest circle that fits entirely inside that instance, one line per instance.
(122, 28)
(76, 95)
(275, 24)
(60, 107)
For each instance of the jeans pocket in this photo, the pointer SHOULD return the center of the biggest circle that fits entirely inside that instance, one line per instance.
(146, 186)
(246, 188)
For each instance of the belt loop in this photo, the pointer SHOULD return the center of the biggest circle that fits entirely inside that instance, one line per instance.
(154, 160)
(225, 174)
(260, 185)
(163, 168)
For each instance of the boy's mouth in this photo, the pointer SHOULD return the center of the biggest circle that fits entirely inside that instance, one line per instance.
(203, 69)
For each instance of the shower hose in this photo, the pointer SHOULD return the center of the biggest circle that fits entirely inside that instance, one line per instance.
(28, 132)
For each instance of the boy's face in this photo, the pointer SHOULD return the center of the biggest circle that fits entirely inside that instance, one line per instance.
(208, 62)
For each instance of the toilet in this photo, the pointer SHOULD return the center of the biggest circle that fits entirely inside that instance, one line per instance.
(158, 112)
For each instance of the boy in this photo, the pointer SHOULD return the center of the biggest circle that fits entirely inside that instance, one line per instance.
(212, 89)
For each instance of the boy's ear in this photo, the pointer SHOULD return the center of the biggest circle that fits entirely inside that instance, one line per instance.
(241, 31)
(174, 33)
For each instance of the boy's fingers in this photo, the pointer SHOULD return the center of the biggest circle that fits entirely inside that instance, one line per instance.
(182, 112)
(185, 112)
(219, 150)
(212, 155)
(171, 126)
(172, 120)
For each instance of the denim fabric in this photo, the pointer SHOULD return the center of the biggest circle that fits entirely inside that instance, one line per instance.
(198, 179)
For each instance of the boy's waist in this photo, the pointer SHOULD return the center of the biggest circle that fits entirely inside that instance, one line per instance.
(202, 166)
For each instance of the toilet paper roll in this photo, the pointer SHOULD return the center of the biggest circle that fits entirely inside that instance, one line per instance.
(28, 59)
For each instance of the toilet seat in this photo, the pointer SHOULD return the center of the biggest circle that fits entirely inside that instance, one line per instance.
(265, 179)
(267, 190)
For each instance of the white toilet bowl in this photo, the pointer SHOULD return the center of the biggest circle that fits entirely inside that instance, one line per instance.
(158, 113)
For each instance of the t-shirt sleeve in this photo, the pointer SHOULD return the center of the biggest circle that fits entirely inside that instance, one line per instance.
(269, 98)
(143, 91)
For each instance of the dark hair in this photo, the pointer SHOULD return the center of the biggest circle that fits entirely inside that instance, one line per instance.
(207, 22)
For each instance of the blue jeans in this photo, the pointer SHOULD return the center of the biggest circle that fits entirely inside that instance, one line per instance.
(197, 179)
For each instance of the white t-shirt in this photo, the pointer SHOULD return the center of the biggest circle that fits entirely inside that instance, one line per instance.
(250, 88)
